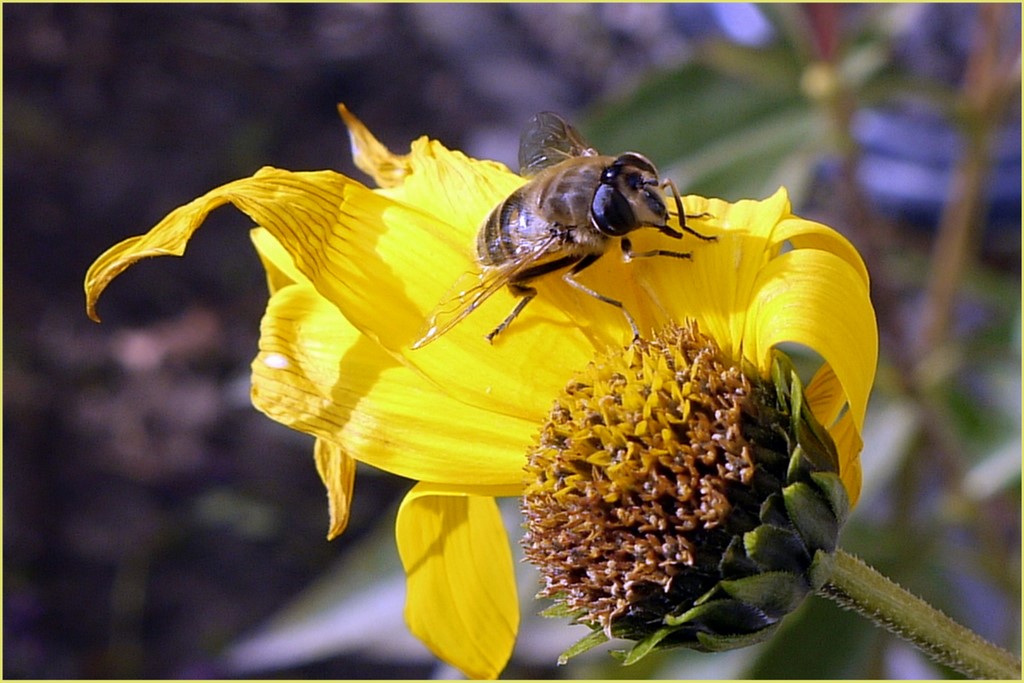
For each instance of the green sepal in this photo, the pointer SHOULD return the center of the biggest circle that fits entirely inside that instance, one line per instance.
(648, 645)
(775, 593)
(817, 445)
(724, 615)
(812, 516)
(800, 467)
(735, 561)
(782, 373)
(776, 549)
(795, 387)
(713, 642)
(813, 440)
(750, 614)
(773, 511)
(820, 571)
(561, 610)
(710, 595)
(832, 487)
(768, 458)
(812, 436)
(587, 642)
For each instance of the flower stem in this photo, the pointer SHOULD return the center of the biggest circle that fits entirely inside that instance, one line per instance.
(857, 586)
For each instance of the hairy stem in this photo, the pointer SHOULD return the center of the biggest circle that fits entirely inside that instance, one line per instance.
(861, 588)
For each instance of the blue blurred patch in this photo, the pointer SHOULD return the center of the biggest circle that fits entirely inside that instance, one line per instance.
(909, 158)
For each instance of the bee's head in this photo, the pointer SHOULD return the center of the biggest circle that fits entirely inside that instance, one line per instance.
(629, 196)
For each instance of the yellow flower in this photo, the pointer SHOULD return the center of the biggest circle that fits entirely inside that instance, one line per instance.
(353, 273)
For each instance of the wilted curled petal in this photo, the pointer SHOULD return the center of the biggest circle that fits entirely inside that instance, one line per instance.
(170, 236)
(338, 472)
(370, 156)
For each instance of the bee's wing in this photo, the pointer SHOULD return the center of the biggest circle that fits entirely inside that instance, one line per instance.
(547, 140)
(473, 288)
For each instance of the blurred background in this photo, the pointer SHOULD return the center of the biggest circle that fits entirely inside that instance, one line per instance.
(157, 526)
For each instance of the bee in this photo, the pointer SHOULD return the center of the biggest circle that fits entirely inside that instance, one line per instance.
(564, 218)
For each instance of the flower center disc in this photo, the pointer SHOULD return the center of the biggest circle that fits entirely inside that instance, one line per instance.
(634, 478)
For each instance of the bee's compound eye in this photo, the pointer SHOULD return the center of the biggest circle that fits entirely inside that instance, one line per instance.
(612, 211)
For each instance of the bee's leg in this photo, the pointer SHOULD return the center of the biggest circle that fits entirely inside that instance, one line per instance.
(628, 254)
(520, 289)
(527, 294)
(683, 216)
(587, 261)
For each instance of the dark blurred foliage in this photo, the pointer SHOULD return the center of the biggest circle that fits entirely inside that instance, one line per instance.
(152, 517)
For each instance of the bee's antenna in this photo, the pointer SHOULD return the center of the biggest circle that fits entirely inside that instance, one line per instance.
(681, 212)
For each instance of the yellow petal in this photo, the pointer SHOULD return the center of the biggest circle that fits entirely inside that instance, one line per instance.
(714, 287)
(825, 395)
(849, 444)
(805, 234)
(278, 263)
(338, 472)
(386, 265)
(458, 190)
(461, 598)
(759, 217)
(826, 398)
(391, 246)
(455, 188)
(316, 373)
(816, 299)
